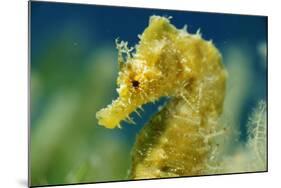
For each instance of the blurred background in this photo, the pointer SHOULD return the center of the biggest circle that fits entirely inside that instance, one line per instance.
(73, 71)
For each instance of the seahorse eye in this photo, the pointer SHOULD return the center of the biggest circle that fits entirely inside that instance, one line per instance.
(135, 83)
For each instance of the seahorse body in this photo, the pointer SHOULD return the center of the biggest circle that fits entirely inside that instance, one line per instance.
(177, 141)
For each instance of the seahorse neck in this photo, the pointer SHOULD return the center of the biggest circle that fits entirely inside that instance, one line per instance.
(173, 132)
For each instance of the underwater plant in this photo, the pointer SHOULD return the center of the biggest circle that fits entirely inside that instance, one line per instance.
(257, 131)
(178, 140)
(250, 156)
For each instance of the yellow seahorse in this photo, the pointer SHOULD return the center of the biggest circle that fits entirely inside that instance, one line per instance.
(178, 140)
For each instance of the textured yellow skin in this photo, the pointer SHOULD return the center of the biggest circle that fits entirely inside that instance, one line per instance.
(178, 140)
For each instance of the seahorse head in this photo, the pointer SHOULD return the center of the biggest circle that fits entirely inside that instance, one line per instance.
(157, 66)
(147, 73)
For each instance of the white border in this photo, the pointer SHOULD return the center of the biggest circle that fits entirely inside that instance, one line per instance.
(13, 100)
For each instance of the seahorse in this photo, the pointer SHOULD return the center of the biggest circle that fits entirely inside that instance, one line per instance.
(169, 62)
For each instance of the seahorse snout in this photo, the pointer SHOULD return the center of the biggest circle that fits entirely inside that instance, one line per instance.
(111, 116)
